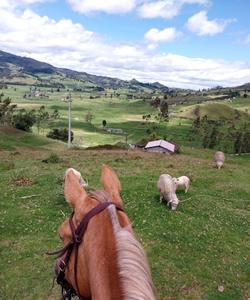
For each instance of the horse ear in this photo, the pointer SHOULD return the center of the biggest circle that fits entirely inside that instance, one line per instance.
(111, 183)
(74, 191)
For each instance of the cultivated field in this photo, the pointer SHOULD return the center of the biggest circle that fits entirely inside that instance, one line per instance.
(193, 252)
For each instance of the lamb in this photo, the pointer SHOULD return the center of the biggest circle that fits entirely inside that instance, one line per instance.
(219, 159)
(182, 181)
(167, 188)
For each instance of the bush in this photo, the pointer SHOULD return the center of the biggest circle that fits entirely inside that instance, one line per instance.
(53, 158)
(60, 134)
(24, 120)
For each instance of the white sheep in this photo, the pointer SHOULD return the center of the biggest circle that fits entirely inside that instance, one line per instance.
(219, 159)
(167, 188)
(182, 181)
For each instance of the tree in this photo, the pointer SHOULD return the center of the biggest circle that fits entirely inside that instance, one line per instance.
(164, 109)
(89, 117)
(24, 120)
(104, 123)
(42, 117)
(238, 143)
(53, 117)
(155, 102)
(213, 137)
(197, 112)
(6, 110)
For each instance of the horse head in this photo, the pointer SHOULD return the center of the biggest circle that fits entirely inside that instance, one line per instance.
(101, 259)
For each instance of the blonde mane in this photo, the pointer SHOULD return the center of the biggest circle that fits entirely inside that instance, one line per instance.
(133, 266)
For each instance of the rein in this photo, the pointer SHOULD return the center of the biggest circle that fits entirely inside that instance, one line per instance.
(74, 243)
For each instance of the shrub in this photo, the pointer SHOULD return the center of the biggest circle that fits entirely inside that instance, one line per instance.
(60, 134)
(53, 158)
(24, 120)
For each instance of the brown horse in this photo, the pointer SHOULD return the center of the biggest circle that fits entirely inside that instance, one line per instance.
(107, 262)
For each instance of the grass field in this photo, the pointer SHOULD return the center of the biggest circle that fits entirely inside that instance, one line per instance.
(123, 114)
(193, 251)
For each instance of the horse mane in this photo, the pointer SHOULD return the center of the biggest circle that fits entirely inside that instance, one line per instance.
(133, 266)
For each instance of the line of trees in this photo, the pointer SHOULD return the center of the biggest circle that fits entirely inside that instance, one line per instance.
(228, 136)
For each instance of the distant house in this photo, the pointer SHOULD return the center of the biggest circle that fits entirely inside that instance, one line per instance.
(162, 147)
(114, 130)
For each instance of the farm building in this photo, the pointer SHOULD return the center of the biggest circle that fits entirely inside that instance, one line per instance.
(162, 147)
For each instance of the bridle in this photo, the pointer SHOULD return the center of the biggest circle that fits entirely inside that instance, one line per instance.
(77, 237)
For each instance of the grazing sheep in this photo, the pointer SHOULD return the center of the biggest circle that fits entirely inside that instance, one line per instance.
(182, 181)
(219, 159)
(167, 188)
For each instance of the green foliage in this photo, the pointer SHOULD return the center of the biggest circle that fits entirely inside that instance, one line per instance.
(104, 123)
(60, 134)
(222, 135)
(6, 110)
(164, 109)
(52, 158)
(24, 120)
(44, 118)
(155, 102)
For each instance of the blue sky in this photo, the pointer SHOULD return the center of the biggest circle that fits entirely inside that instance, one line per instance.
(180, 43)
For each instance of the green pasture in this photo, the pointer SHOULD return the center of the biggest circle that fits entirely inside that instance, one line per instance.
(122, 114)
(193, 252)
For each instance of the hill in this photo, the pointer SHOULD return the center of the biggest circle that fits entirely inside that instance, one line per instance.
(16, 69)
(214, 111)
(13, 139)
(245, 86)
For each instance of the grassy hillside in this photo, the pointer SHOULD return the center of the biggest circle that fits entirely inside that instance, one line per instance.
(193, 251)
(11, 139)
(214, 111)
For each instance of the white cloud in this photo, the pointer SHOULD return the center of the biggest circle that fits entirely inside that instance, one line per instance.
(166, 9)
(200, 24)
(11, 4)
(69, 45)
(152, 46)
(166, 35)
(247, 39)
(107, 6)
(146, 8)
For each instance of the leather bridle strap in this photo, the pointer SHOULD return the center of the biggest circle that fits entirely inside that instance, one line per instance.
(77, 237)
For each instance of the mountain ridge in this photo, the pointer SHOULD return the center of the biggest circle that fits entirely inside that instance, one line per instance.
(12, 66)
(31, 67)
